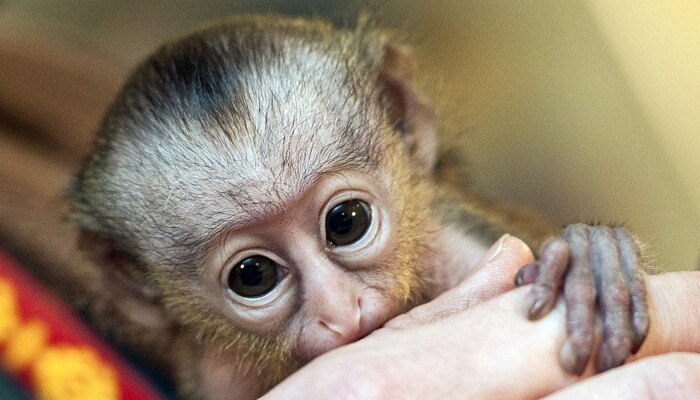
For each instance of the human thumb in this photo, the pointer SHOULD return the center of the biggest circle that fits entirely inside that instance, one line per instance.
(493, 274)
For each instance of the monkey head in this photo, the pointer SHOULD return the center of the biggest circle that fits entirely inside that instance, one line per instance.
(261, 184)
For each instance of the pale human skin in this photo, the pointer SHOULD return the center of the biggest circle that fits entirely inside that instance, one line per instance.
(672, 376)
(443, 350)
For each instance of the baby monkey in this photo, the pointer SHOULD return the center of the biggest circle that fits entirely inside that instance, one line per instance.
(266, 189)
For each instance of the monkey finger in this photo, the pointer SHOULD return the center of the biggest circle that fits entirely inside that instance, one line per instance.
(550, 269)
(527, 274)
(631, 264)
(613, 299)
(580, 296)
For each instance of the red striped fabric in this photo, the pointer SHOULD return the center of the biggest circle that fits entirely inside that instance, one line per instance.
(52, 352)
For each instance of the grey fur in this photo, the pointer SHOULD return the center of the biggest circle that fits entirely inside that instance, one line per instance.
(216, 117)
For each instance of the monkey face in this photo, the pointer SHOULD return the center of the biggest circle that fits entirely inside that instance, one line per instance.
(320, 269)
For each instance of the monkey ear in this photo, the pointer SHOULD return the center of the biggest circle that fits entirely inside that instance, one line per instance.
(407, 108)
(124, 282)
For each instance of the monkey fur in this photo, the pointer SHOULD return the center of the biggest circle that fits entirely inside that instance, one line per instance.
(226, 130)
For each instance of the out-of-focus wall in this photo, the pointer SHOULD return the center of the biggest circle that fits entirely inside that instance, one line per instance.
(657, 46)
(585, 110)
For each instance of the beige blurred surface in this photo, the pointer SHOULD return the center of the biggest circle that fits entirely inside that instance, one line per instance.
(657, 45)
(586, 110)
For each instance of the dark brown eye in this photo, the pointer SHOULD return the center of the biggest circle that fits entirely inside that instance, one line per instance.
(253, 277)
(347, 222)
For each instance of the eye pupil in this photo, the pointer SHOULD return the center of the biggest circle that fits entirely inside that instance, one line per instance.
(253, 277)
(250, 276)
(347, 222)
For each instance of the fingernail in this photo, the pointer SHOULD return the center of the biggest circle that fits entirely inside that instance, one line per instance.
(495, 250)
(519, 278)
(527, 274)
(536, 308)
(570, 361)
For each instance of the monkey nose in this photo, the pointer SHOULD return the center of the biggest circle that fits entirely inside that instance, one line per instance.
(344, 327)
(329, 332)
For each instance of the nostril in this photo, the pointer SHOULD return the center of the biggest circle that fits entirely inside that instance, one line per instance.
(331, 327)
(344, 331)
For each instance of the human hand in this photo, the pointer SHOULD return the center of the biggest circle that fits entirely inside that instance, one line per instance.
(493, 275)
(672, 376)
(489, 351)
(675, 299)
(439, 338)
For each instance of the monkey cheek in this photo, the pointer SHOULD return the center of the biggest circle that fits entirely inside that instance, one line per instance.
(375, 310)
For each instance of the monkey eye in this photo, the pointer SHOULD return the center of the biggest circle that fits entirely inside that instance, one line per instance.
(253, 277)
(347, 222)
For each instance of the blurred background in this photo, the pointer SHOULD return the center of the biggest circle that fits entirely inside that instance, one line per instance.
(586, 110)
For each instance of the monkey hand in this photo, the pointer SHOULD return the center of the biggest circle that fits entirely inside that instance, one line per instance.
(600, 269)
